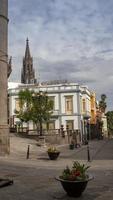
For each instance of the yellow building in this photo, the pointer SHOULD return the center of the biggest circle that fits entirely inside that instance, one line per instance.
(93, 108)
(89, 116)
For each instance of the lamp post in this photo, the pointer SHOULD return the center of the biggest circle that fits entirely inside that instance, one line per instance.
(86, 129)
(4, 128)
(40, 121)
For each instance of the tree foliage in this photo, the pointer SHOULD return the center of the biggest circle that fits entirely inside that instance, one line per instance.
(41, 109)
(35, 107)
(25, 104)
(102, 103)
(109, 115)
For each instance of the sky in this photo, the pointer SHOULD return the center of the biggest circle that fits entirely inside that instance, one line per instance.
(69, 40)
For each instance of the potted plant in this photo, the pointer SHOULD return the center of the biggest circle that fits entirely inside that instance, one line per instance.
(74, 180)
(53, 153)
(71, 145)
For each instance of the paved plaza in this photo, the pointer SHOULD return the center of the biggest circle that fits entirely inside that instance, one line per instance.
(34, 178)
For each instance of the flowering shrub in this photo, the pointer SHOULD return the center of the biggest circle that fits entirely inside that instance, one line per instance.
(76, 173)
(52, 149)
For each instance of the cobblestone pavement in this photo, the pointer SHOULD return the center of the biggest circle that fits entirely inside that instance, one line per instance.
(34, 178)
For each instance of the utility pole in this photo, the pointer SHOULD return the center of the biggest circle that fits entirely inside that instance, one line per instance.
(4, 128)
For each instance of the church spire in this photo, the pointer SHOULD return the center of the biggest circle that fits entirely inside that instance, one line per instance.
(27, 51)
(28, 72)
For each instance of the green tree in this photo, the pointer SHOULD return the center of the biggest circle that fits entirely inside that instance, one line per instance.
(42, 109)
(99, 126)
(35, 107)
(25, 104)
(109, 115)
(102, 103)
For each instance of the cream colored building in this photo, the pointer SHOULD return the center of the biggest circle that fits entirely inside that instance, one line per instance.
(72, 105)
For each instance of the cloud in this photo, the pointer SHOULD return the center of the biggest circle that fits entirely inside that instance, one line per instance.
(68, 38)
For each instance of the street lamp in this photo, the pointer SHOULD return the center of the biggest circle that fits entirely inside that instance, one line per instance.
(86, 129)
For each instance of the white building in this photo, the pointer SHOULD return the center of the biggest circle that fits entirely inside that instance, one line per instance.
(71, 104)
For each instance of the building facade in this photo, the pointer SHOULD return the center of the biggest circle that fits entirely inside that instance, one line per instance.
(72, 105)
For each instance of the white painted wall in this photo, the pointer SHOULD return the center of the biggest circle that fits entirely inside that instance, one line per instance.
(62, 91)
(74, 118)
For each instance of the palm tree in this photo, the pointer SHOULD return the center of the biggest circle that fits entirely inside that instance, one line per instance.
(102, 103)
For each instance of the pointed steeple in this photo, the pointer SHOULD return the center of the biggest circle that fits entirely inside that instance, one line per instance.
(28, 73)
(27, 51)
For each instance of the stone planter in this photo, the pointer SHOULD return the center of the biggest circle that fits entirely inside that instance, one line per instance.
(71, 146)
(53, 155)
(74, 188)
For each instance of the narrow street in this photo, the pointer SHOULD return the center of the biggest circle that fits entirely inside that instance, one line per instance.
(35, 178)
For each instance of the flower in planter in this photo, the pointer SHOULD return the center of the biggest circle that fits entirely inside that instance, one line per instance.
(77, 172)
(53, 153)
(52, 149)
(74, 180)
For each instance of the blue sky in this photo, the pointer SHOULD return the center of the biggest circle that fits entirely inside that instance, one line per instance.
(69, 39)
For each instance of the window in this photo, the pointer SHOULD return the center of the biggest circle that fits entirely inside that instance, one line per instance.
(17, 106)
(69, 104)
(51, 125)
(52, 98)
(70, 124)
(84, 105)
(44, 126)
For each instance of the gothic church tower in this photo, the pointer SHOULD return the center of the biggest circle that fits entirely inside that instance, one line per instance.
(28, 73)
